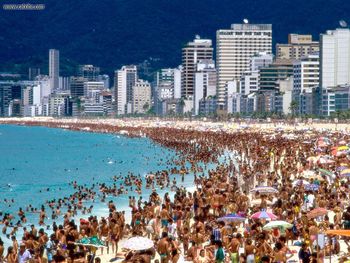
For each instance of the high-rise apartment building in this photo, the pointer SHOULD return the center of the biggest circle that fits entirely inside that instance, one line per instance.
(205, 82)
(305, 77)
(198, 49)
(334, 66)
(250, 79)
(169, 81)
(77, 86)
(141, 101)
(90, 72)
(124, 81)
(298, 46)
(54, 69)
(234, 49)
(335, 58)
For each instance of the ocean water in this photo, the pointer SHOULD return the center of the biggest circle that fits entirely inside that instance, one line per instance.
(37, 164)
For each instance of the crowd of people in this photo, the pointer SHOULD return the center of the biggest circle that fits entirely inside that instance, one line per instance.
(302, 170)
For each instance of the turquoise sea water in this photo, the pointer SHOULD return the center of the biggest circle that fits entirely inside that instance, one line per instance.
(37, 163)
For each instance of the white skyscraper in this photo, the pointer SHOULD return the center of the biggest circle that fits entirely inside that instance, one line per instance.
(124, 81)
(335, 58)
(204, 82)
(54, 69)
(234, 49)
(198, 49)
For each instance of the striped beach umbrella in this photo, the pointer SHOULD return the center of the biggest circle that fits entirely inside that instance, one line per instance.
(325, 172)
(317, 212)
(345, 172)
(264, 215)
(341, 168)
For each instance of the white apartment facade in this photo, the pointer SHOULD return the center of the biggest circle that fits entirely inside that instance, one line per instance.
(335, 58)
(306, 74)
(198, 49)
(141, 97)
(234, 49)
(124, 81)
(205, 82)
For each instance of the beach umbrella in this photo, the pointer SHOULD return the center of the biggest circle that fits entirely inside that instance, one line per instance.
(231, 218)
(311, 187)
(138, 243)
(325, 160)
(91, 242)
(308, 173)
(341, 168)
(323, 142)
(342, 142)
(339, 232)
(343, 148)
(345, 172)
(264, 190)
(277, 224)
(317, 212)
(326, 172)
(264, 215)
(300, 182)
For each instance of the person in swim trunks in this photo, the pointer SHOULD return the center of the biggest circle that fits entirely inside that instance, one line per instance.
(163, 248)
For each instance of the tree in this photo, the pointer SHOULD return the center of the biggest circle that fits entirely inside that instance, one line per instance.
(293, 107)
(145, 106)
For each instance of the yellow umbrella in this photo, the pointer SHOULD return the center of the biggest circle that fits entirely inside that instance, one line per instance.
(343, 148)
(346, 171)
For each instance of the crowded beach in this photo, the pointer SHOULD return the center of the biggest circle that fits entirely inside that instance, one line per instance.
(270, 192)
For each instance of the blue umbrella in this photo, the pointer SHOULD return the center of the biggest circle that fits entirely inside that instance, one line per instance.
(232, 218)
(311, 187)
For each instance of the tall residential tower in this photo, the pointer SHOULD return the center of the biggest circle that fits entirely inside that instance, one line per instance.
(234, 49)
(54, 69)
(198, 49)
